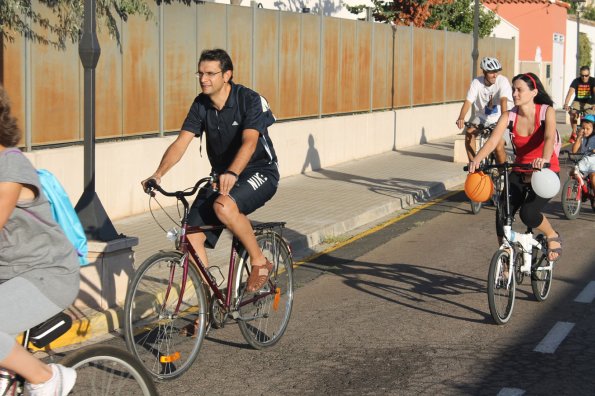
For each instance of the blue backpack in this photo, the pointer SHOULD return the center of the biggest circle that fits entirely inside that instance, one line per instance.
(64, 213)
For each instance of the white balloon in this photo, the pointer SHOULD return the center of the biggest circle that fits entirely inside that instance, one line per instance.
(545, 183)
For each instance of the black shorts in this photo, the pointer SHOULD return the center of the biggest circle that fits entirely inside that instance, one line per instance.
(255, 186)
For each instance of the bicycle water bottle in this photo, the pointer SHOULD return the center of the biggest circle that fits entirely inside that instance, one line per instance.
(8, 383)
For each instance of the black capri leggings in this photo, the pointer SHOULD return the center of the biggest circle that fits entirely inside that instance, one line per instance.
(521, 196)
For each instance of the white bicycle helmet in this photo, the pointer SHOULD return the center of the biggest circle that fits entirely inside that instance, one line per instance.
(490, 64)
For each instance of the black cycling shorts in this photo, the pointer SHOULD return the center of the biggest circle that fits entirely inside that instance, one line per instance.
(253, 189)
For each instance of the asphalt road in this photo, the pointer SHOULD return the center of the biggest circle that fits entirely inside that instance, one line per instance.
(403, 311)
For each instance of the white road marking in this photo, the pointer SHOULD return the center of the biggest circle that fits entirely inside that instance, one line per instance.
(511, 392)
(554, 338)
(587, 295)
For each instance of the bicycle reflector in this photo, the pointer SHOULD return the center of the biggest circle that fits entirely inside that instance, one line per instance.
(277, 298)
(479, 187)
(169, 358)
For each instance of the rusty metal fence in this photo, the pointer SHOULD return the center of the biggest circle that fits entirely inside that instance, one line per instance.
(305, 65)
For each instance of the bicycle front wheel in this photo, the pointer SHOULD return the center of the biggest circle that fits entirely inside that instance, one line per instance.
(165, 339)
(501, 289)
(571, 198)
(542, 273)
(106, 370)
(263, 316)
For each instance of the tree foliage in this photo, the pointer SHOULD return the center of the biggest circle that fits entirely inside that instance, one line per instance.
(588, 13)
(584, 55)
(454, 15)
(64, 19)
(458, 16)
(400, 12)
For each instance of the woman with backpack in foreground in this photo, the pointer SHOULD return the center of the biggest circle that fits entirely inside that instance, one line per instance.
(39, 269)
(533, 141)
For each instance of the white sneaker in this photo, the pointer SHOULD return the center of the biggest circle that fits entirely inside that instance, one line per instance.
(60, 384)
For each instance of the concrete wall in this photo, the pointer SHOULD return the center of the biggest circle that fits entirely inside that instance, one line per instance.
(507, 30)
(301, 146)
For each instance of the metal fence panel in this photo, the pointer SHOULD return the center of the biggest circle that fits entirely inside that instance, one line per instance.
(239, 43)
(55, 96)
(108, 88)
(266, 56)
(403, 66)
(381, 76)
(290, 43)
(310, 65)
(362, 63)
(211, 27)
(13, 67)
(305, 65)
(179, 63)
(348, 58)
(140, 75)
(331, 65)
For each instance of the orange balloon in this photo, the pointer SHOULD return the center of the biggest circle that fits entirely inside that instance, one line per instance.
(479, 187)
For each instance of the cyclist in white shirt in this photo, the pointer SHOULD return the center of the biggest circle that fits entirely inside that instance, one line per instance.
(490, 95)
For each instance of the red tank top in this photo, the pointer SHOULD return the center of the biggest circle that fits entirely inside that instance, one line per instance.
(530, 147)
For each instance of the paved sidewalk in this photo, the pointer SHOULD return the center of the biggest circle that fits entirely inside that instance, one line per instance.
(319, 206)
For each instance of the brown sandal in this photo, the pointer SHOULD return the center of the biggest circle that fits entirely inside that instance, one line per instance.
(557, 250)
(259, 276)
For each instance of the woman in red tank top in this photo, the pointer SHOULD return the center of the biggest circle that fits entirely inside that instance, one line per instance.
(534, 144)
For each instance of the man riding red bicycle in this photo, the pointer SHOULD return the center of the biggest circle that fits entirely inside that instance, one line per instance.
(583, 90)
(235, 121)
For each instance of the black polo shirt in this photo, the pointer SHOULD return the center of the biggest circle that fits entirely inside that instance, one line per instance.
(244, 109)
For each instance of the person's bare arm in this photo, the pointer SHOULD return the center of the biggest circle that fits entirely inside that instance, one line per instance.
(9, 196)
(172, 155)
(239, 163)
(569, 95)
(464, 109)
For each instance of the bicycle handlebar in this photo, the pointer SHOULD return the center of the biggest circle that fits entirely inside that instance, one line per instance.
(575, 157)
(506, 165)
(152, 185)
(480, 128)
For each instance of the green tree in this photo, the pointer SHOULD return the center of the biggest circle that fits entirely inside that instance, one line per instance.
(18, 17)
(400, 12)
(454, 15)
(588, 13)
(584, 55)
(458, 16)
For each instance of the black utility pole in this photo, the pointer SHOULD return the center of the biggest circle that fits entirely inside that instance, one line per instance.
(95, 220)
(578, 33)
(475, 52)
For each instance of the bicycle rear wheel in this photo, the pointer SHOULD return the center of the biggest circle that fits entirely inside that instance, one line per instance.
(106, 370)
(264, 315)
(542, 272)
(165, 343)
(501, 291)
(571, 198)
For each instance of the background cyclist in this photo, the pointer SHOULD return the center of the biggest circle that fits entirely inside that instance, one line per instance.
(585, 143)
(583, 90)
(39, 269)
(490, 95)
(534, 144)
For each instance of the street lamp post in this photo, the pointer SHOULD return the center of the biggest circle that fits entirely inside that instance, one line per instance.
(579, 4)
(475, 52)
(89, 209)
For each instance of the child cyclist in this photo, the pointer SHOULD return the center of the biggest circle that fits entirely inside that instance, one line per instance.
(585, 143)
(534, 144)
(39, 269)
